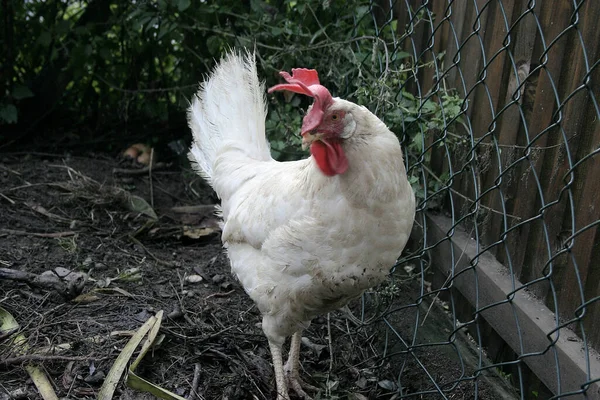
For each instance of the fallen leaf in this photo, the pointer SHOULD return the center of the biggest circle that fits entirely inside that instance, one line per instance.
(193, 278)
(85, 298)
(198, 233)
(139, 383)
(138, 204)
(356, 396)
(316, 348)
(40, 380)
(114, 375)
(387, 385)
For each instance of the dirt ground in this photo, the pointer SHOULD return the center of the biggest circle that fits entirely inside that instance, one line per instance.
(77, 213)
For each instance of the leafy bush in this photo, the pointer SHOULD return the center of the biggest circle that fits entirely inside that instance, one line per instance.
(105, 65)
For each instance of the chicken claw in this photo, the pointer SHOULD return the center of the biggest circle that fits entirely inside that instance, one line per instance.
(292, 369)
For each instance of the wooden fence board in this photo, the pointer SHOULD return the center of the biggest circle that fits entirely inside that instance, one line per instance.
(586, 247)
(522, 34)
(554, 19)
(523, 316)
(577, 127)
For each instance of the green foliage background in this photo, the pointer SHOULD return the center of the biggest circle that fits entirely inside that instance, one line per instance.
(102, 71)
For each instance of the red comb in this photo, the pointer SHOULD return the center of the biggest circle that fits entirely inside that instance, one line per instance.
(306, 81)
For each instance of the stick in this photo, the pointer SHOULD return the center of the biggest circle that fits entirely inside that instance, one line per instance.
(41, 357)
(45, 281)
(11, 201)
(37, 234)
(138, 171)
(195, 382)
(150, 177)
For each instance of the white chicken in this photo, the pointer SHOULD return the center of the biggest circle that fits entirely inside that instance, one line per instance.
(303, 237)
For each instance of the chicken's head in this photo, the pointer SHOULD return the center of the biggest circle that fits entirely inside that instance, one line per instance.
(327, 123)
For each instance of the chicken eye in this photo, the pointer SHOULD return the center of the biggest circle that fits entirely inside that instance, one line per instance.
(335, 117)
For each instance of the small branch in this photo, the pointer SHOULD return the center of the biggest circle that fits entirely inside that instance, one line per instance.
(8, 333)
(40, 358)
(194, 390)
(67, 288)
(199, 209)
(150, 177)
(219, 294)
(330, 342)
(434, 176)
(11, 201)
(139, 171)
(37, 234)
(158, 260)
(159, 90)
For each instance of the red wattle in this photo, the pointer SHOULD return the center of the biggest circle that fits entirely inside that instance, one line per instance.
(330, 157)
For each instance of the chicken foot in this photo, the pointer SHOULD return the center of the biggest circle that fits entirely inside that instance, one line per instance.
(292, 369)
(280, 381)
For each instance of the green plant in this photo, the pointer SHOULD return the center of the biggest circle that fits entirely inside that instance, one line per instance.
(133, 66)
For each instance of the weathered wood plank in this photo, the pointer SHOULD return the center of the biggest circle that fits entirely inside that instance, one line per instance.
(522, 34)
(576, 128)
(493, 68)
(579, 266)
(457, 12)
(554, 19)
(435, 44)
(471, 54)
(489, 284)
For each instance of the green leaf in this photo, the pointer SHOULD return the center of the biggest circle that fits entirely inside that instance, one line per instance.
(401, 55)
(429, 107)
(21, 92)
(214, 45)
(81, 30)
(183, 5)
(8, 113)
(105, 53)
(45, 39)
(408, 95)
(63, 26)
(138, 204)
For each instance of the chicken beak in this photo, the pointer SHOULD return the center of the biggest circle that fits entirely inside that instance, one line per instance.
(309, 137)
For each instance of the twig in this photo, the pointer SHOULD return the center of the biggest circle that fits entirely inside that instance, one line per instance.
(28, 185)
(219, 294)
(448, 279)
(134, 91)
(39, 209)
(158, 260)
(139, 171)
(11, 201)
(434, 176)
(330, 342)
(41, 357)
(12, 171)
(48, 281)
(150, 177)
(38, 234)
(195, 382)
(7, 333)
(199, 209)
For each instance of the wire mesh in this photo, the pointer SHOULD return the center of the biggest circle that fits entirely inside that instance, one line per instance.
(508, 210)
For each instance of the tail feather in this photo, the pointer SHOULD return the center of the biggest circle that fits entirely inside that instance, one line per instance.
(229, 108)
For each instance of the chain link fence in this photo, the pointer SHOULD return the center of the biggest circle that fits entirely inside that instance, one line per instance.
(498, 293)
(508, 175)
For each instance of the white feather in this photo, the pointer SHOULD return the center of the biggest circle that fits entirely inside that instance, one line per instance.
(229, 108)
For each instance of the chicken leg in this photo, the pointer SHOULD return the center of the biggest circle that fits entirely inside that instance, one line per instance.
(292, 369)
(280, 381)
